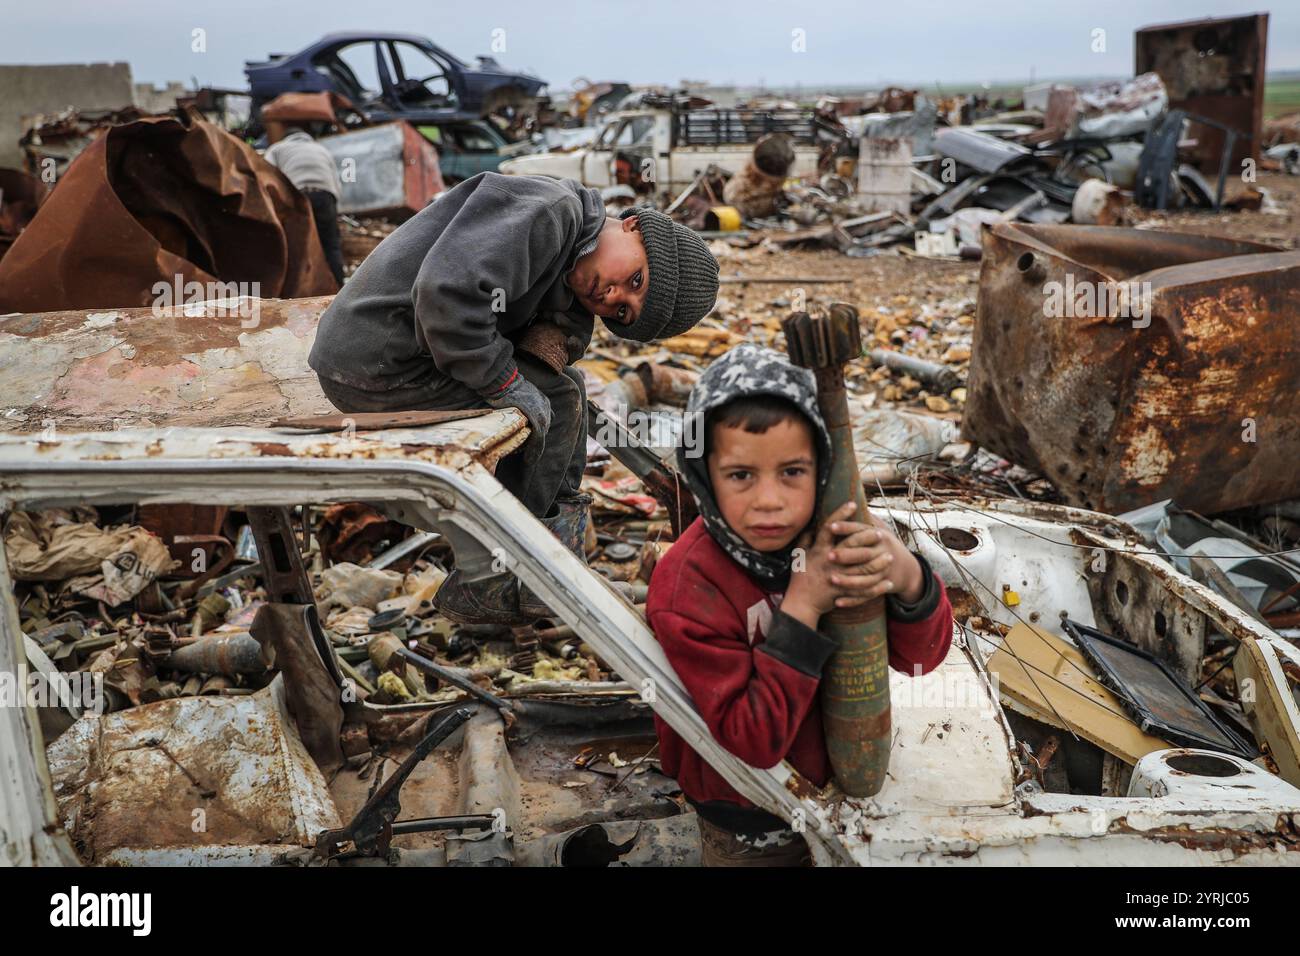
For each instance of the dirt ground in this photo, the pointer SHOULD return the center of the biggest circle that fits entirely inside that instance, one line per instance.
(1281, 226)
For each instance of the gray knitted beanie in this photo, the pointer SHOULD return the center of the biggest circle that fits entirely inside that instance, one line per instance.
(683, 278)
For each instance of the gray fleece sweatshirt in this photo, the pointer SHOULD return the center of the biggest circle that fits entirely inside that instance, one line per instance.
(445, 291)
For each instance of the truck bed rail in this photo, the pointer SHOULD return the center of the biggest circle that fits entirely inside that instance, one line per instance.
(730, 126)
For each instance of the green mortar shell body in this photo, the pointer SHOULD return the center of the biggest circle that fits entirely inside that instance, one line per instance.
(855, 702)
(855, 683)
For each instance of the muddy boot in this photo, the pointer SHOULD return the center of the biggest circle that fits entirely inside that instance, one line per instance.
(493, 600)
(569, 525)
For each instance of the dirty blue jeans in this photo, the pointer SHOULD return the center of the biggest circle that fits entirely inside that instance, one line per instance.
(557, 473)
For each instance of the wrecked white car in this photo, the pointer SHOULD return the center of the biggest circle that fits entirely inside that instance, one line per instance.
(1058, 730)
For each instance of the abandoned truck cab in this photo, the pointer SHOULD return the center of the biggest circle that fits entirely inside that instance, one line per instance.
(212, 413)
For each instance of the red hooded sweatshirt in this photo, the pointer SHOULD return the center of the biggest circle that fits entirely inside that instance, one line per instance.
(753, 670)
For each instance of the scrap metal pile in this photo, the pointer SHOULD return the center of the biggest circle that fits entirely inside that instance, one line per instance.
(931, 173)
(121, 593)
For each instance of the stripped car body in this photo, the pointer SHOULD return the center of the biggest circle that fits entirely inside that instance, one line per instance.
(955, 791)
(379, 72)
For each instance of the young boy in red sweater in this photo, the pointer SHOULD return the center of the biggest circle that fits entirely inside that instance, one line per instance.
(736, 601)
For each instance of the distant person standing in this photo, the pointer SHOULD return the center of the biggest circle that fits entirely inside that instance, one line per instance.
(310, 167)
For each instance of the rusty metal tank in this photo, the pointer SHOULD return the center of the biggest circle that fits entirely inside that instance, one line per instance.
(1130, 366)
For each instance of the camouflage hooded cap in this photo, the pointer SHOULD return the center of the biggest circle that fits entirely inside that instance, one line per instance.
(744, 372)
(683, 278)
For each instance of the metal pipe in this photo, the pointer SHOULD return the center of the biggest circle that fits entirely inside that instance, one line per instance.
(563, 632)
(403, 548)
(455, 680)
(855, 684)
(478, 821)
(931, 373)
(566, 649)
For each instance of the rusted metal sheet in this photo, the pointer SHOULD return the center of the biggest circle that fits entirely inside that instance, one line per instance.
(1212, 68)
(1130, 366)
(144, 777)
(209, 365)
(200, 365)
(322, 107)
(1062, 108)
(376, 421)
(157, 204)
(190, 530)
(1107, 109)
(352, 530)
(484, 440)
(1269, 668)
(395, 170)
(194, 365)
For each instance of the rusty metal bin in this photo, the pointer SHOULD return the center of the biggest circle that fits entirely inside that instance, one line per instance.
(1184, 383)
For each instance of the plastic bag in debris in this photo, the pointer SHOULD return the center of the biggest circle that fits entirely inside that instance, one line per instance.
(421, 587)
(351, 623)
(139, 559)
(349, 585)
(59, 544)
(126, 668)
(889, 443)
(967, 223)
(110, 565)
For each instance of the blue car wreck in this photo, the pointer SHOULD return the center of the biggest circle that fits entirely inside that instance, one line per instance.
(391, 76)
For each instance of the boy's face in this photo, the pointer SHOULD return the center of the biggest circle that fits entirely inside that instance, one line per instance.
(765, 484)
(611, 280)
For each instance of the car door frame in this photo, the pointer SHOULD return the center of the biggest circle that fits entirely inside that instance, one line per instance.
(399, 69)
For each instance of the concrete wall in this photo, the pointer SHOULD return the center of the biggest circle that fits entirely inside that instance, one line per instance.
(159, 99)
(42, 89)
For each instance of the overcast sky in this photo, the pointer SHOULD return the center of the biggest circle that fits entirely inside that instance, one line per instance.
(849, 42)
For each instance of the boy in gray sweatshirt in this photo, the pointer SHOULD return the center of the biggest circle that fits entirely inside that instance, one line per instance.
(430, 320)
